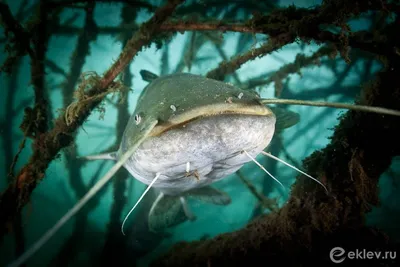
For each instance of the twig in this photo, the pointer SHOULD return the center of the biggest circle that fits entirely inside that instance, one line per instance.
(300, 62)
(229, 67)
(267, 203)
(54, 67)
(15, 159)
(224, 57)
(191, 47)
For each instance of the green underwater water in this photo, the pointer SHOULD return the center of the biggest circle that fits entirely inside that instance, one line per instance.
(67, 178)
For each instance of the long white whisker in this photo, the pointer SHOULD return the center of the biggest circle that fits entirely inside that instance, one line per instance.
(262, 168)
(379, 110)
(140, 199)
(293, 167)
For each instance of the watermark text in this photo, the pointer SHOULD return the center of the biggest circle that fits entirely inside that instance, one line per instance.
(338, 255)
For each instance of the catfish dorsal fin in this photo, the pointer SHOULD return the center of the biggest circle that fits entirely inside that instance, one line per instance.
(148, 76)
(89, 195)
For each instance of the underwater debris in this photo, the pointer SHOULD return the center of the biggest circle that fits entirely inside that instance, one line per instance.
(311, 223)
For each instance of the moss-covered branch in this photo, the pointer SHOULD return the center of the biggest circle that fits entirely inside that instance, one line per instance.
(228, 67)
(300, 62)
(47, 145)
(361, 149)
(309, 24)
(305, 24)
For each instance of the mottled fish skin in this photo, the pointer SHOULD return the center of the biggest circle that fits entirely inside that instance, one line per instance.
(223, 121)
(212, 145)
(192, 96)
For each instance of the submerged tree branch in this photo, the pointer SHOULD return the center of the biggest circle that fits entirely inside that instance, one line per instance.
(264, 202)
(350, 166)
(231, 66)
(305, 24)
(47, 145)
(300, 62)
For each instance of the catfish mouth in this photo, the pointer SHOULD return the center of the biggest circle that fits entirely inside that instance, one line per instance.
(181, 118)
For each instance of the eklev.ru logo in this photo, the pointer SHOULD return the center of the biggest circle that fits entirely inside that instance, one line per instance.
(338, 254)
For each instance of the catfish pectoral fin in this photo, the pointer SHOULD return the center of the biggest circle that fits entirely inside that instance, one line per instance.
(189, 214)
(284, 118)
(166, 211)
(211, 195)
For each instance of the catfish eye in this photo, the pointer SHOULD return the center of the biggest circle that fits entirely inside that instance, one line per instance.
(138, 118)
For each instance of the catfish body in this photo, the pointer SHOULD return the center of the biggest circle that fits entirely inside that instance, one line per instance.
(204, 127)
(201, 127)
(210, 143)
(211, 147)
